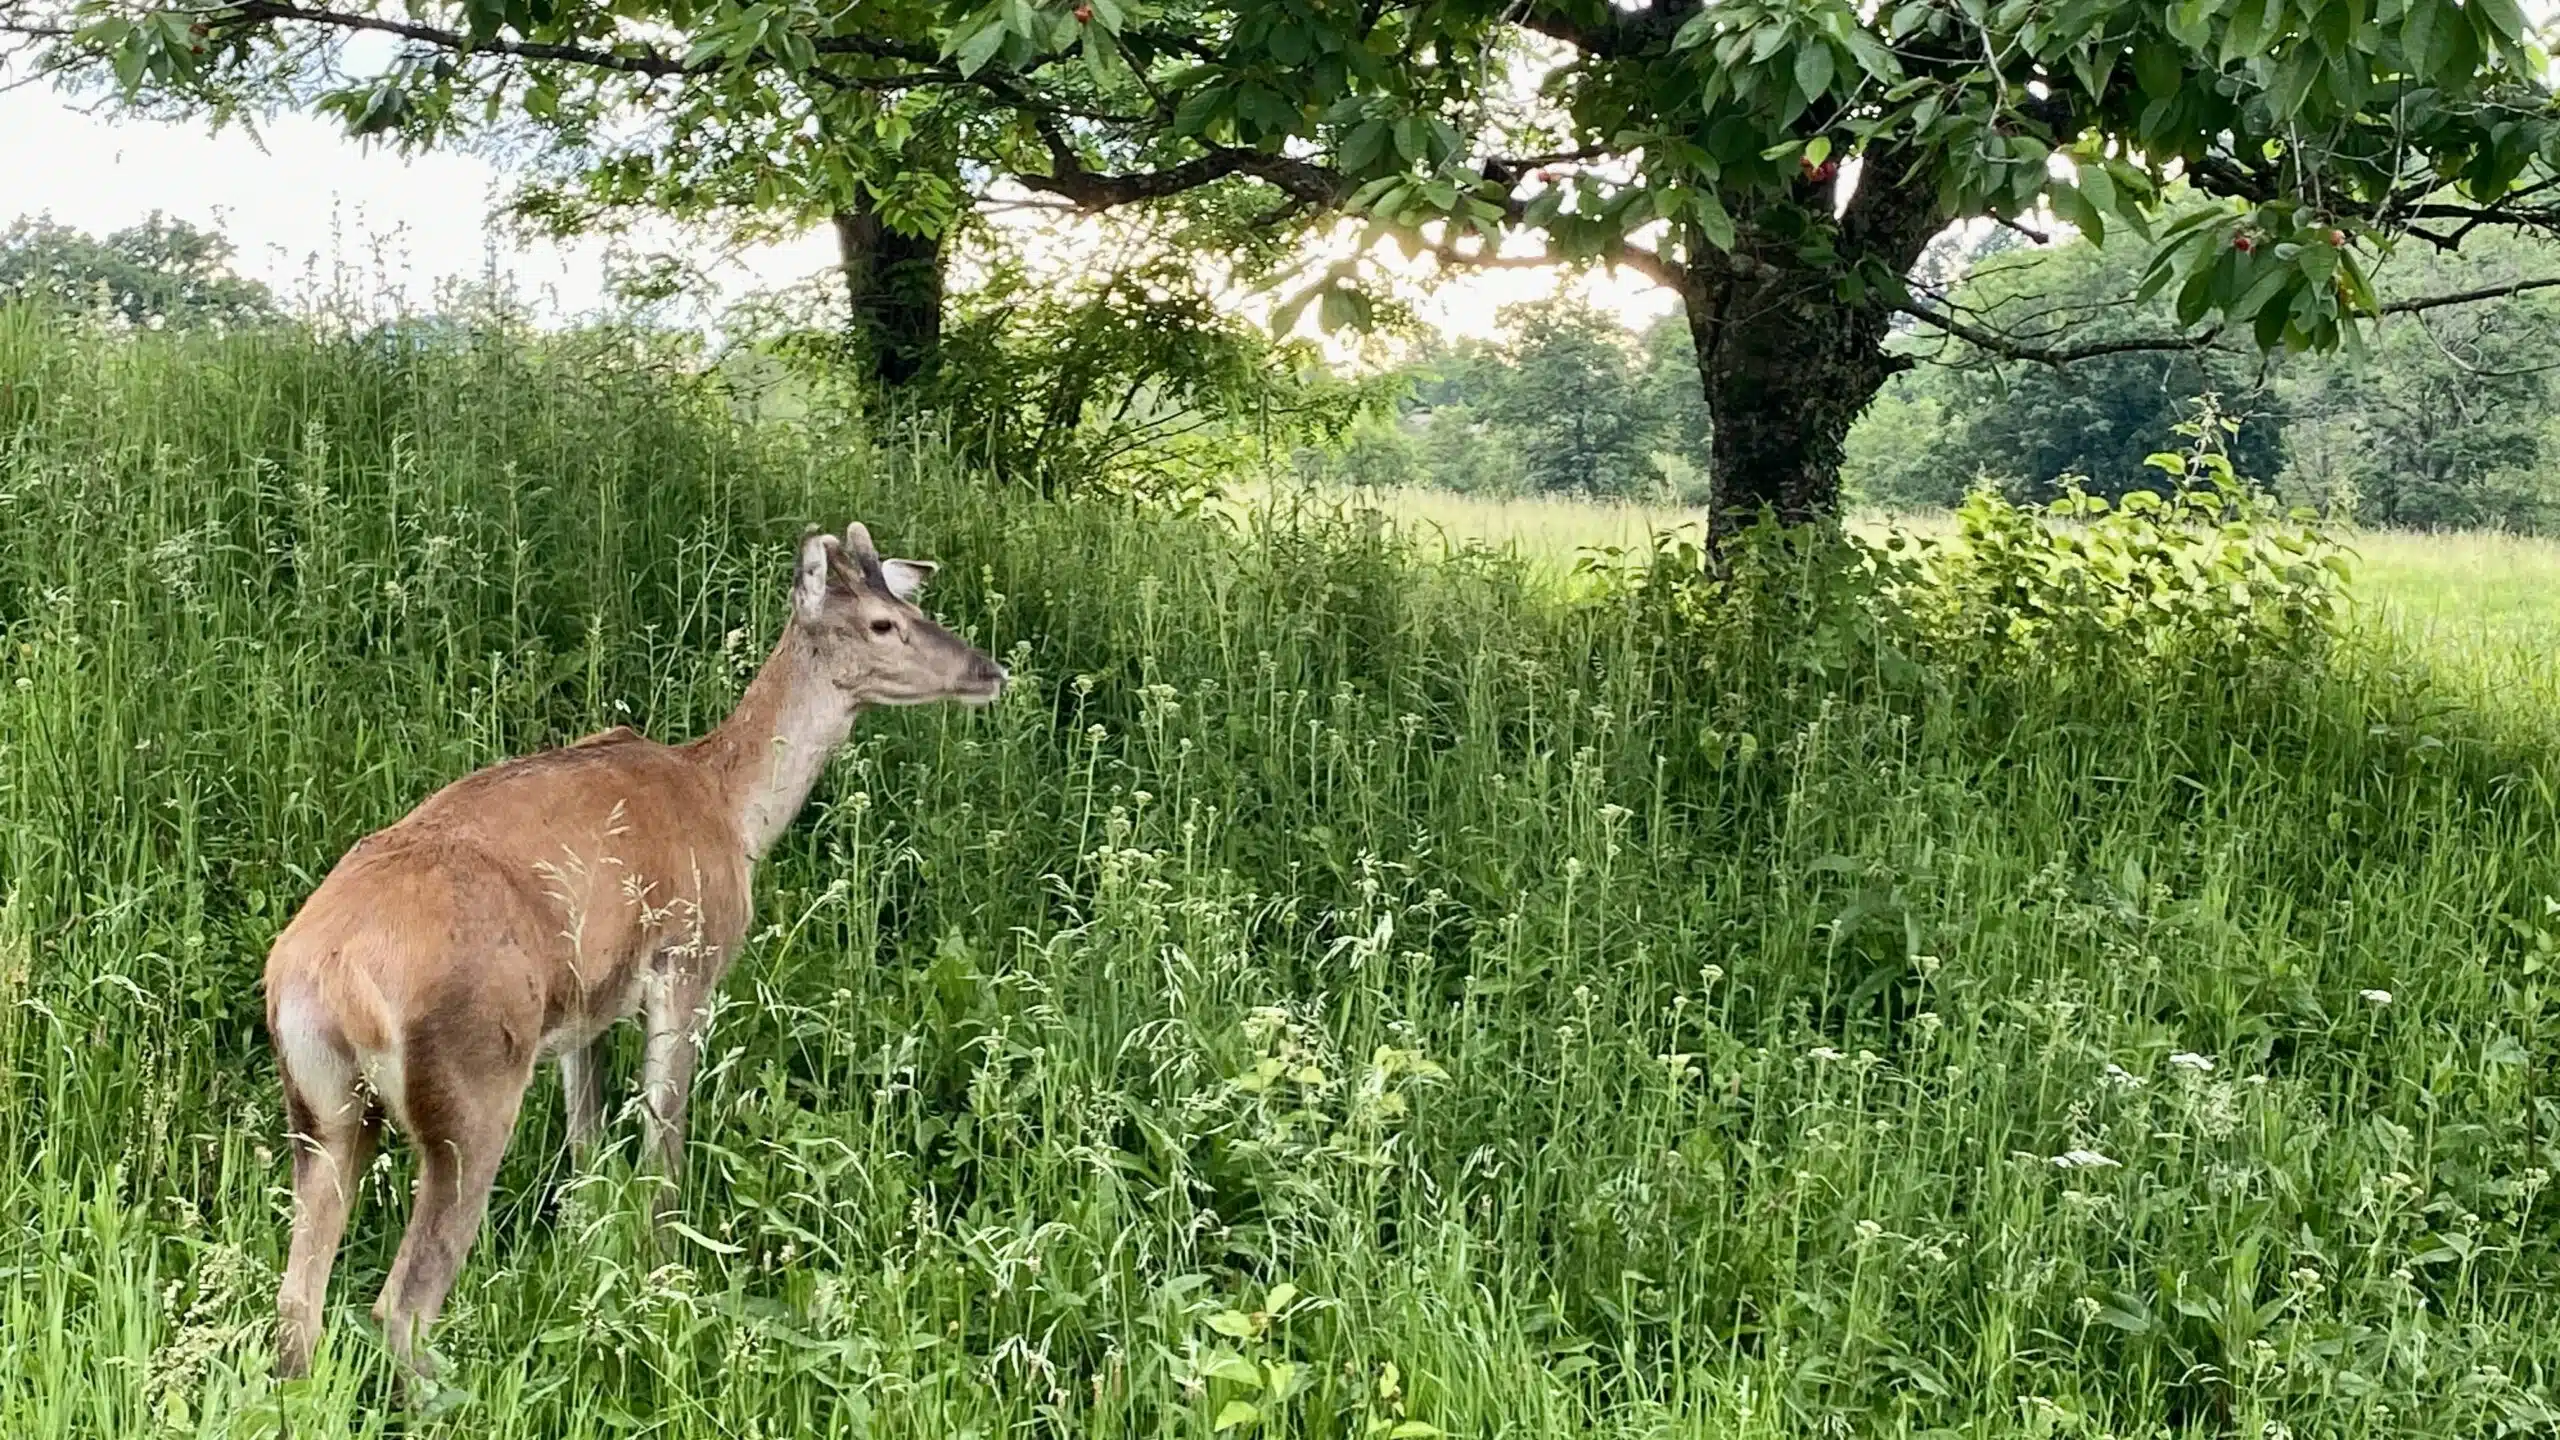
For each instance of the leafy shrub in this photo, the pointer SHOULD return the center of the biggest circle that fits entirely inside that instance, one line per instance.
(2207, 582)
(2210, 578)
(1129, 380)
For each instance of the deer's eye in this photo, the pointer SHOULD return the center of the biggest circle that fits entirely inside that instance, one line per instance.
(883, 625)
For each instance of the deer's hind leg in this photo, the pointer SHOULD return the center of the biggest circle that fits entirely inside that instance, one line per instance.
(462, 1086)
(332, 1128)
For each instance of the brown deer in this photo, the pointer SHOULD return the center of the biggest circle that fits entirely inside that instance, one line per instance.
(523, 909)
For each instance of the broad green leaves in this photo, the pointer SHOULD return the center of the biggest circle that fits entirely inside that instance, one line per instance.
(2280, 269)
(1736, 126)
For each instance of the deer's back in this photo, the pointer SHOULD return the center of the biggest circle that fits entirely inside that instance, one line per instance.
(536, 892)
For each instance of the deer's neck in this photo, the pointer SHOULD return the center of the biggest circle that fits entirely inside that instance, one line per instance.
(767, 756)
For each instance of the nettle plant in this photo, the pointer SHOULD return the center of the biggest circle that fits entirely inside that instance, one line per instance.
(2206, 579)
(2208, 576)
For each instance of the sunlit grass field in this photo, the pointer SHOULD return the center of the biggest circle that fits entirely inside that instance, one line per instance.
(1346, 989)
(2448, 588)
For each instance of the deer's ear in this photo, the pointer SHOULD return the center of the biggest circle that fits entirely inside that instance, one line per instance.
(906, 577)
(809, 590)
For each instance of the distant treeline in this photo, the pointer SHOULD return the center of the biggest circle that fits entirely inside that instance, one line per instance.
(2441, 419)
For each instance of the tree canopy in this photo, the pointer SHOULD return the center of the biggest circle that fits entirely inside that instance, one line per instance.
(1780, 164)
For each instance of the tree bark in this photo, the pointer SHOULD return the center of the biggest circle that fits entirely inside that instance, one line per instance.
(1787, 361)
(893, 283)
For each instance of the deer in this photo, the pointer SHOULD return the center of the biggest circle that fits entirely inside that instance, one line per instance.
(522, 910)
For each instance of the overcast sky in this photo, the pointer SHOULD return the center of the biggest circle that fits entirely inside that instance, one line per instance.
(311, 203)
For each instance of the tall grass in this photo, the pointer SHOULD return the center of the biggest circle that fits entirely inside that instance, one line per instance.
(1336, 993)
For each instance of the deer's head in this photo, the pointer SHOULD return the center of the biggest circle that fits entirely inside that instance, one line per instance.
(858, 612)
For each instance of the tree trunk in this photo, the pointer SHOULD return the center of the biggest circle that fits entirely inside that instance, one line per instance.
(893, 282)
(1788, 363)
(1787, 368)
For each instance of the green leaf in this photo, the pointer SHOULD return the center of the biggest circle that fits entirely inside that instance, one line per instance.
(2275, 281)
(1235, 1413)
(2157, 68)
(1362, 147)
(1872, 56)
(2196, 296)
(2503, 17)
(2095, 184)
(2073, 205)
(716, 1247)
(2418, 37)
(981, 46)
(1200, 109)
(1813, 70)
(130, 58)
(2358, 286)
(1714, 222)
(2292, 82)
(2270, 326)
(1285, 317)
(1228, 1365)
(1235, 1323)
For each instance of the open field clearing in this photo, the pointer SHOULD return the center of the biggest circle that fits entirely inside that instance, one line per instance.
(2493, 598)
(1336, 993)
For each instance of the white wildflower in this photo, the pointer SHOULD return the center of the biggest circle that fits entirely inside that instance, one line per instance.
(2122, 1078)
(2082, 1160)
(1824, 1053)
(2374, 997)
(2190, 1060)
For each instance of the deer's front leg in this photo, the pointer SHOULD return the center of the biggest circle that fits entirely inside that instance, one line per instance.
(583, 1089)
(675, 1016)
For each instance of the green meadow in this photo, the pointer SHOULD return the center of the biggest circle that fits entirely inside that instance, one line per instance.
(1351, 986)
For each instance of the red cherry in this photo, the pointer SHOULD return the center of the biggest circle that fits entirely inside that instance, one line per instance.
(1826, 170)
(2338, 238)
(2243, 244)
(1084, 13)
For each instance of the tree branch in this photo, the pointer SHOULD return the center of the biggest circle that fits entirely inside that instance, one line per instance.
(2465, 297)
(1301, 180)
(632, 60)
(1606, 31)
(646, 60)
(2010, 348)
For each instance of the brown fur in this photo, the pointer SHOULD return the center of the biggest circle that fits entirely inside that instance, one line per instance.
(521, 910)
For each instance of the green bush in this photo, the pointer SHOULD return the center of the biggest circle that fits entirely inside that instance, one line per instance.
(2209, 584)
